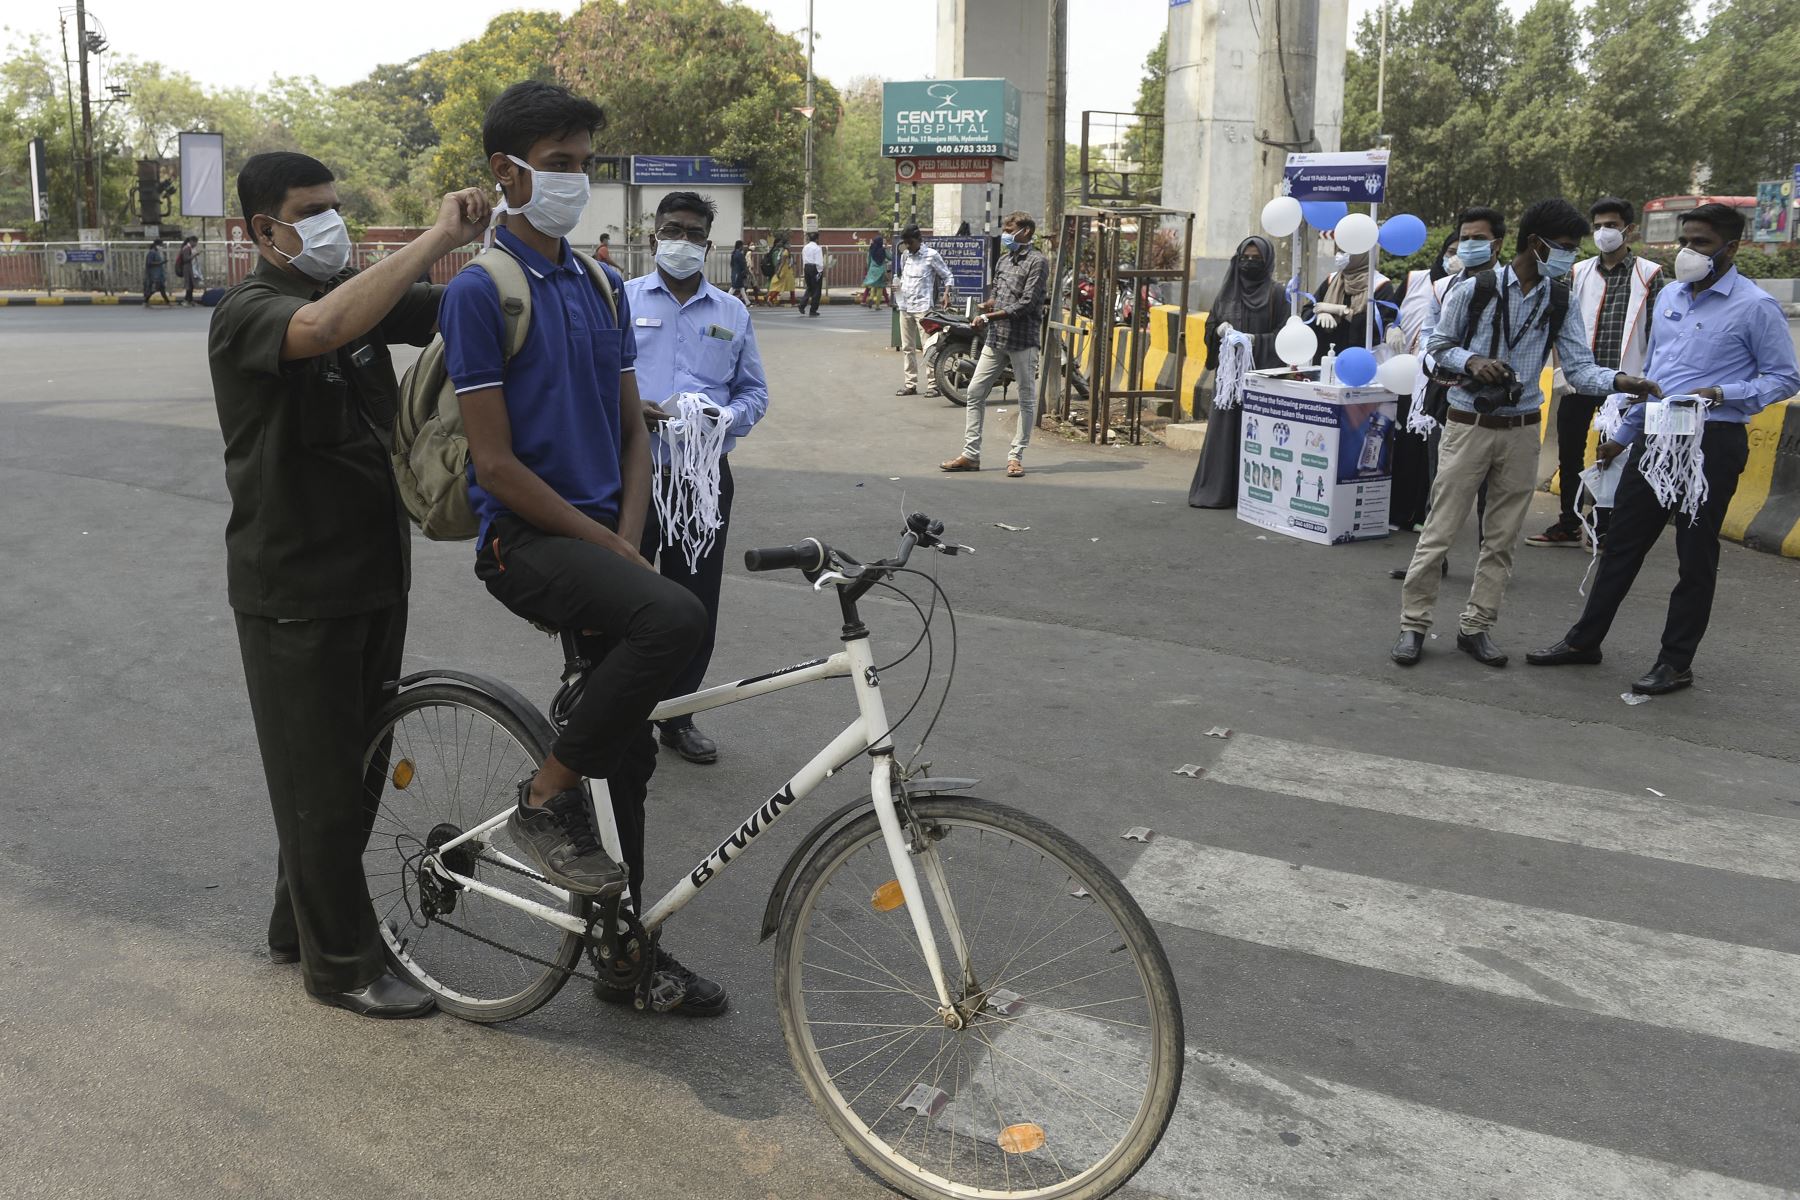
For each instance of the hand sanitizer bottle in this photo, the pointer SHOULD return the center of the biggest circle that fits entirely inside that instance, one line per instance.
(1328, 367)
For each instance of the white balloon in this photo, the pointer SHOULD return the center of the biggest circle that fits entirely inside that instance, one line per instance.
(1296, 343)
(1398, 374)
(1281, 216)
(1356, 233)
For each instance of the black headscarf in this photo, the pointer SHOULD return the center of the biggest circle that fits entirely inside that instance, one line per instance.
(1256, 307)
(1437, 264)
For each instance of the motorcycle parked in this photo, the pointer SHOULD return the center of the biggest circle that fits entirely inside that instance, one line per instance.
(952, 348)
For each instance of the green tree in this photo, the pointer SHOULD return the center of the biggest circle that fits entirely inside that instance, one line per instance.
(1538, 105)
(515, 46)
(32, 104)
(1144, 141)
(1627, 138)
(854, 184)
(1742, 99)
(700, 77)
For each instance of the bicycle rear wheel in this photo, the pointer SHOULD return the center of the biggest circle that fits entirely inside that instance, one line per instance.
(1068, 1066)
(445, 757)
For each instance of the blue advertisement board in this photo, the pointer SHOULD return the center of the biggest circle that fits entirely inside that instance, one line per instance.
(967, 258)
(1352, 176)
(677, 169)
(957, 118)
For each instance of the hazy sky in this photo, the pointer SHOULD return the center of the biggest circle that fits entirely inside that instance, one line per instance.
(237, 44)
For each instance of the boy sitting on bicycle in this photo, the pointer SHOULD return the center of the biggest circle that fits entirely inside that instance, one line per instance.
(560, 482)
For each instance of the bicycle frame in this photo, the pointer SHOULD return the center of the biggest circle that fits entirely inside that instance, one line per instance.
(868, 733)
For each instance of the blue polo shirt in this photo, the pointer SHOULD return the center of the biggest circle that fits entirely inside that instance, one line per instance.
(561, 389)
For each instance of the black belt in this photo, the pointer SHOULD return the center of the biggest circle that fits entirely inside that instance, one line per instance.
(1488, 421)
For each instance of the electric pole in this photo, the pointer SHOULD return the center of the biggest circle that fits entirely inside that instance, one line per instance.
(1056, 105)
(1284, 113)
(1381, 73)
(806, 207)
(74, 145)
(87, 113)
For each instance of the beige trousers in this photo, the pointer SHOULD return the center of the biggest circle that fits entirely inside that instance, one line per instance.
(912, 341)
(1506, 460)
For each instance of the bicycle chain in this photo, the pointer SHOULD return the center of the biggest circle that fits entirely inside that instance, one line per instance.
(488, 941)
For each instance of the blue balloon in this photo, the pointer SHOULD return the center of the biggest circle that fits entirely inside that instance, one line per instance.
(1355, 366)
(1402, 234)
(1324, 214)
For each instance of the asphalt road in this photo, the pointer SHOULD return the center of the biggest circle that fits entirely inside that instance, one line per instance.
(1451, 932)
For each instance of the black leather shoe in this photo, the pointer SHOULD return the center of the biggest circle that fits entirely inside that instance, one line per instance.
(907, 392)
(691, 744)
(284, 954)
(1563, 655)
(1481, 648)
(1662, 680)
(389, 996)
(1407, 650)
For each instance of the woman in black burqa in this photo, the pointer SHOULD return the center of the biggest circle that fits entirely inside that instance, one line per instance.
(1250, 302)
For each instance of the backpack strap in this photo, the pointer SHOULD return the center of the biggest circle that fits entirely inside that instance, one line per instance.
(508, 274)
(1559, 309)
(1486, 288)
(601, 280)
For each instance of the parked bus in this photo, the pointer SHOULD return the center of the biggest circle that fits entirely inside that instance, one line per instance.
(1662, 216)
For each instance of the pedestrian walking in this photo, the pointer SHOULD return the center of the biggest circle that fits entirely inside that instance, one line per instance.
(1250, 302)
(1012, 321)
(691, 337)
(317, 544)
(156, 273)
(187, 267)
(812, 258)
(1496, 332)
(922, 275)
(1717, 336)
(1615, 294)
(603, 251)
(740, 269)
(778, 265)
(874, 291)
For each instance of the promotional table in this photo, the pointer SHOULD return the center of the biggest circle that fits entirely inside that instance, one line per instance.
(1316, 459)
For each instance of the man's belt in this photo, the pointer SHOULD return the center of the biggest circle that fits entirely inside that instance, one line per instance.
(1487, 421)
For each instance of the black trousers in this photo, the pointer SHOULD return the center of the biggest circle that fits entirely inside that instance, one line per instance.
(704, 581)
(1637, 522)
(1574, 417)
(637, 628)
(814, 283)
(314, 688)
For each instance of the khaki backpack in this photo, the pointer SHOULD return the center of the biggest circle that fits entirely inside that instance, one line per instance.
(431, 453)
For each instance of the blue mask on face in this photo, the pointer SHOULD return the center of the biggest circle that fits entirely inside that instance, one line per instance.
(1474, 252)
(1007, 241)
(1560, 262)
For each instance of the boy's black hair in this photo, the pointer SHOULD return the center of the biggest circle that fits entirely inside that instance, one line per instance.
(1612, 204)
(526, 113)
(264, 181)
(1494, 217)
(1725, 220)
(1551, 217)
(812, 237)
(688, 202)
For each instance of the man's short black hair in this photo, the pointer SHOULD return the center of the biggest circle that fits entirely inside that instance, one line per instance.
(1495, 219)
(527, 113)
(265, 179)
(1725, 220)
(687, 202)
(812, 237)
(1552, 217)
(1617, 207)
(909, 233)
(1020, 217)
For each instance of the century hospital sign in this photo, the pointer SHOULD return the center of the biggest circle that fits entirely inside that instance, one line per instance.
(950, 117)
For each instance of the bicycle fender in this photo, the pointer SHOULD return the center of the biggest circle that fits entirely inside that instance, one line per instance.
(515, 702)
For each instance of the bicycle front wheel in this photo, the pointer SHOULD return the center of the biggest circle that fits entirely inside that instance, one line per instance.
(1066, 1067)
(444, 758)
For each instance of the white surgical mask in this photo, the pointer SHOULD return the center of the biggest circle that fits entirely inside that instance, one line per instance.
(680, 258)
(1691, 266)
(1340, 260)
(557, 200)
(1609, 239)
(324, 244)
(1452, 265)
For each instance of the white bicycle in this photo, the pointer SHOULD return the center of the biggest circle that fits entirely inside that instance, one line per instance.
(973, 1001)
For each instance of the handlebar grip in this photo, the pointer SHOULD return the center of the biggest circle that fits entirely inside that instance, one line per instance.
(806, 556)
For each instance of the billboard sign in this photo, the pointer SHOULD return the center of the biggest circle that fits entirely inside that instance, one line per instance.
(675, 170)
(1353, 176)
(967, 258)
(40, 182)
(1774, 211)
(958, 118)
(947, 170)
(202, 174)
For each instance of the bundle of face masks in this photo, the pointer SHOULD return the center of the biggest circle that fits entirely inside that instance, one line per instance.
(687, 493)
(1673, 464)
(1236, 353)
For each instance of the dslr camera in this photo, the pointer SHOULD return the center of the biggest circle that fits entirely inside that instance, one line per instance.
(1504, 393)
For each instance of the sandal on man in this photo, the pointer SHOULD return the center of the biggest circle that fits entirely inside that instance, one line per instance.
(1014, 468)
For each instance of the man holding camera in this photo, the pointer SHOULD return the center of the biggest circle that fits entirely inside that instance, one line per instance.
(1495, 333)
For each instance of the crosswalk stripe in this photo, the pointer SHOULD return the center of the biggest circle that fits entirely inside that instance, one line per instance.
(1248, 1133)
(1666, 979)
(1700, 835)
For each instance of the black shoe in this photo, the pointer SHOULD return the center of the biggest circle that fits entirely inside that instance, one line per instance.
(1563, 655)
(559, 839)
(673, 989)
(1481, 648)
(1407, 650)
(284, 954)
(690, 743)
(1662, 680)
(389, 996)
(907, 392)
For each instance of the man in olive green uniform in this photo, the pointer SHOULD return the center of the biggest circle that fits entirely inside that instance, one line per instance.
(316, 549)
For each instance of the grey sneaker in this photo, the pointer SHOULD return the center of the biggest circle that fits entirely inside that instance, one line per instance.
(559, 839)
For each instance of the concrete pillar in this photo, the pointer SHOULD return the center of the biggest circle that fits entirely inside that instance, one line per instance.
(982, 39)
(1328, 88)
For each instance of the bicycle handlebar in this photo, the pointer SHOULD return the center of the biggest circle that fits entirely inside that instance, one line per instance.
(814, 557)
(810, 555)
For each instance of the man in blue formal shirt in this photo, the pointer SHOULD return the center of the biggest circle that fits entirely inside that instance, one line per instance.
(692, 337)
(1718, 336)
(1490, 433)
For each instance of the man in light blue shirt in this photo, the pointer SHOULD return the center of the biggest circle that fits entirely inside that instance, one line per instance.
(692, 337)
(1494, 334)
(1718, 336)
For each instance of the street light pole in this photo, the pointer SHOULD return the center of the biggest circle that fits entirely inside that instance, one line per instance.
(87, 111)
(807, 205)
(1381, 71)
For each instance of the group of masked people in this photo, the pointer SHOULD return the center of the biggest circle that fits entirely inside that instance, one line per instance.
(1485, 327)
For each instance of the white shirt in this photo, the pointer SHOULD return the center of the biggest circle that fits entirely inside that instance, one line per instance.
(921, 276)
(813, 256)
